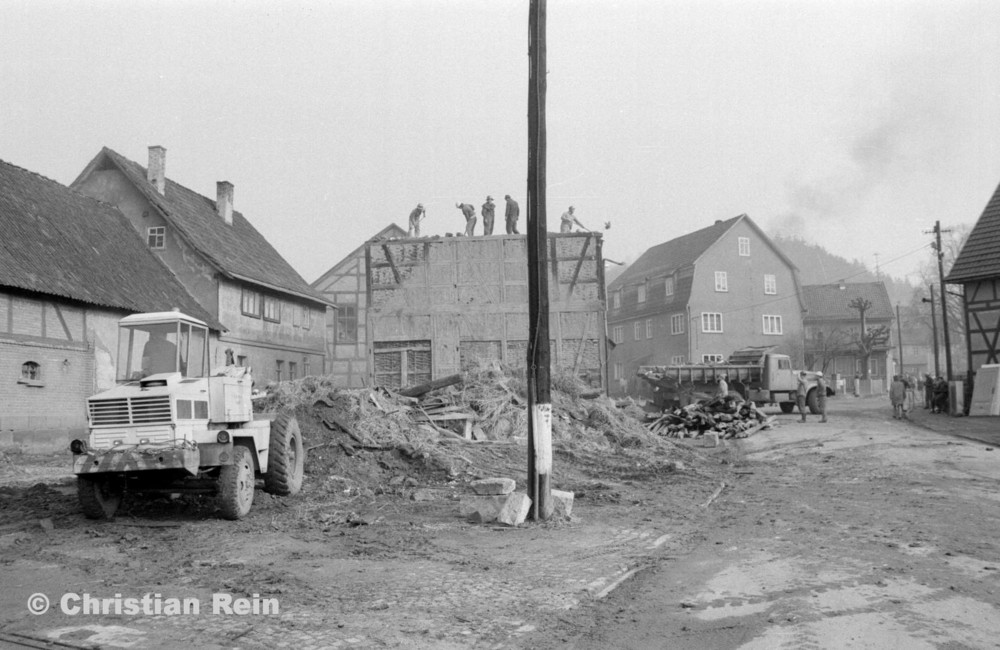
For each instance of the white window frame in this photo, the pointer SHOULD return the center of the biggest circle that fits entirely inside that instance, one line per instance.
(649, 328)
(668, 286)
(713, 358)
(616, 299)
(744, 246)
(677, 360)
(770, 284)
(271, 309)
(721, 281)
(156, 238)
(772, 325)
(711, 322)
(618, 371)
(640, 293)
(618, 334)
(251, 302)
(677, 324)
(637, 329)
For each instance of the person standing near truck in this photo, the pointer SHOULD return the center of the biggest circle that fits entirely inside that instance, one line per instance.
(801, 390)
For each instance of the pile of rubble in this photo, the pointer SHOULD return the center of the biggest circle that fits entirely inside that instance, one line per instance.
(724, 417)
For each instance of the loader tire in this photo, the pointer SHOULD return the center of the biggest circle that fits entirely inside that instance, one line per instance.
(99, 497)
(286, 457)
(787, 407)
(812, 400)
(236, 485)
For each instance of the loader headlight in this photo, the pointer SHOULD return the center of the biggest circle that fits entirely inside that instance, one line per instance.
(223, 437)
(78, 447)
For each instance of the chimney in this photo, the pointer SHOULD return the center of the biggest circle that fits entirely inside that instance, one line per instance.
(156, 172)
(224, 201)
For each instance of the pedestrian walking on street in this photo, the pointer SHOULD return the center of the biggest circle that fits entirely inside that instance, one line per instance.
(469, 212)
(511, 215)
(488, 208)
(928, 391)
(897, 394)
(567, 221)
(801, 390)
(416, 216)
(821, 395)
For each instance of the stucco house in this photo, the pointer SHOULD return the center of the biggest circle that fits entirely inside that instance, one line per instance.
(345, 285)
(700, 297)
(275, 322)
(70, 268)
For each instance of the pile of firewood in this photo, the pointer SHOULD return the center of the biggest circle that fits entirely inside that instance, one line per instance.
(727, 417)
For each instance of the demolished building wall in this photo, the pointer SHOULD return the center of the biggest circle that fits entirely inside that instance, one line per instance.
(437, 305)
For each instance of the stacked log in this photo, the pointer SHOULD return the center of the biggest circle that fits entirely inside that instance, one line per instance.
(726, 417)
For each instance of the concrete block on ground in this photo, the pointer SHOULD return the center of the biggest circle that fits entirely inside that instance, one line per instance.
(515, 510)
(494, 486)
(562, 503)
(481, 509)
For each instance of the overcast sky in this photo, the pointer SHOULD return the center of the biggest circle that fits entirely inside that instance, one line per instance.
(851, 124)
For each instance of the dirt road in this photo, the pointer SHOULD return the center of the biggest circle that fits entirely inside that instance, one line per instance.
(861, 533)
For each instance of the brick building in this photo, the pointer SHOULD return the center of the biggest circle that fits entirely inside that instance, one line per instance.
(275, 322)
(69, 270)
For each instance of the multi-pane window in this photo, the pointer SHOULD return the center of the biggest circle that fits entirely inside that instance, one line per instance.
(305, 367)
(618, 371)
(616, 299)
(712, 358)
(772, 324)
(293, 369)
(744, 244)
(31, 371)
(347, 323)
(677, 360)
(307, 318)
(279, 367)
(721, 281)
(770, 284)
(250, 303)
(668, 286)
(637, 326)
(711, 321)
(618, 333)
(156, 237)
(641, 293)
(272, 309)
(649, 328)
(677, 324)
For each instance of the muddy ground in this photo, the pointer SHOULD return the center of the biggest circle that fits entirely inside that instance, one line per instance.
(863, 532)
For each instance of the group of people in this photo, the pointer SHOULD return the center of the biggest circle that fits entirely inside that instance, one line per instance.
(903, 394)
(488, 211)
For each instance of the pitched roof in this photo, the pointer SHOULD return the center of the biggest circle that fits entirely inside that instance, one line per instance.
(237, 251)
(831, 302)
(980, 256)
(61, 243)
(664, 259)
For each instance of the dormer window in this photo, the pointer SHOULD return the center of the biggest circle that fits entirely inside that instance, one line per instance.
(668, 286)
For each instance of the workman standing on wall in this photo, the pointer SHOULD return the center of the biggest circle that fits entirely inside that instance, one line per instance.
(512, 214)
(567, 221)
(416, 217)
(469, 211)
(488, 208)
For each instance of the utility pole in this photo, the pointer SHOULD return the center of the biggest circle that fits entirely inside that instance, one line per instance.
(899, 333)
(944, 297)
(937, 364)
(539, 360)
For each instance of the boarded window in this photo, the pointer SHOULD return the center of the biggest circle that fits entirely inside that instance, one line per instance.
(402, 363)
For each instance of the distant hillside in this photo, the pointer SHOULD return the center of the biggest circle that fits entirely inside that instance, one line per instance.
(818, 266)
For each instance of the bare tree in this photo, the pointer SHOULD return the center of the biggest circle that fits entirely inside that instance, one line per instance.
(827, 345)
(867, 339)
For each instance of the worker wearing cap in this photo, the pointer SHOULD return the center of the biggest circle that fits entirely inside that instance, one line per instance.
(416, 217)
(801, 390)
(821, 395)
(512, 214)
(488, 208)
(469, 212)
(568, 219)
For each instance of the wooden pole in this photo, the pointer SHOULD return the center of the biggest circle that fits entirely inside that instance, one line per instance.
(899, 333)
(944, 300)
(539, 399)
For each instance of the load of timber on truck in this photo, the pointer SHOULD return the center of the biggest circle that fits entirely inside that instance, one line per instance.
(755, 373)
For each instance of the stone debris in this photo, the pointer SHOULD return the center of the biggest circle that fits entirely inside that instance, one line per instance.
(493, 486)
(515, 510)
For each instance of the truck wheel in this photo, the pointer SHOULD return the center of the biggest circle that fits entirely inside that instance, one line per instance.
(286, 457)
(236, 485)
(812, 400)
(99, 497)
(787, 407)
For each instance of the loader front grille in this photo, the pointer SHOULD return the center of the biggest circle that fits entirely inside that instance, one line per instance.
(130, 410)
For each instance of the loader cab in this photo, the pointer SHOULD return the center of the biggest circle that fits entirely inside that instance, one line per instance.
(161, 343)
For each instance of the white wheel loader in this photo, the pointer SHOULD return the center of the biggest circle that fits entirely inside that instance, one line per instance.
(172, 425)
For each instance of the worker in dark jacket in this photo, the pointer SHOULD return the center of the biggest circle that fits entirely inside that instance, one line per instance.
(512, 214)
(469, 212)
(488, 208)
(940, 396)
